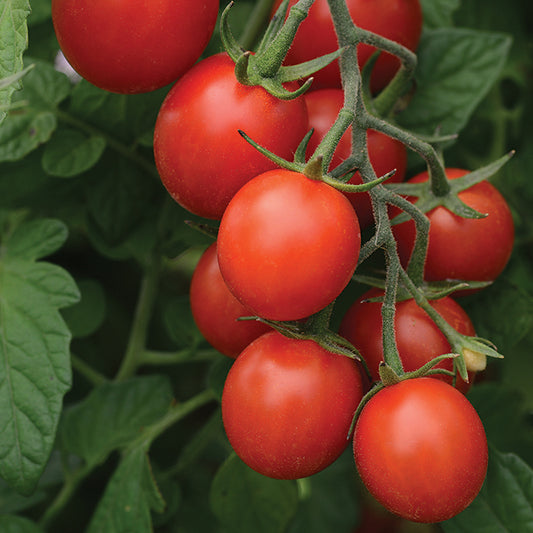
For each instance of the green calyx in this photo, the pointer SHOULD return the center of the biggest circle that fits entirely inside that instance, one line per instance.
(264, 67)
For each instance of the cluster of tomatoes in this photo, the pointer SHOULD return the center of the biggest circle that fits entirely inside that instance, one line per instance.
(288, 246)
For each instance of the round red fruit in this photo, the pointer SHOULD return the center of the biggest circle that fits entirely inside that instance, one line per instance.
(386, 154)
(133, 46)
(216, 311)
(288, 245)
(426, 459)
(287, 406)
(200, 156)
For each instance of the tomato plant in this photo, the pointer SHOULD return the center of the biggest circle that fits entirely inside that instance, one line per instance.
(399, 21)
(287, 406)
(385, 154)
(281, 234)
(426, 460)
(200, 156)
(216, 311)
(114, 402)
(464, 248)
(418, 338)
(133, 46)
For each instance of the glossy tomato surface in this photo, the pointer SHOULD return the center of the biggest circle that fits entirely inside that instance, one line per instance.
(426, 459)
(287, 406)
(385, 153)
(216, 311)
(200, 156)
(288, 245)
(464, 248)
(418, 338)
(397, 20)
(133, 46)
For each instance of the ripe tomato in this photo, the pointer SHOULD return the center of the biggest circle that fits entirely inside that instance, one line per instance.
(133, 46)
(426, 459)
(288, 245)
(397, 20)
(463, 248)
(385, 153)
(201, 158)
(418, 338)
(216, 310)
(287, 405)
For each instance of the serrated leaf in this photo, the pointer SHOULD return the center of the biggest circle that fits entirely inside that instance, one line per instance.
(245, 501)
(505, 503)
(456, 69)
(71, 152)
(13, 42)
(33, 123)
(128, 498)
(17, 524)
(35, 367)
(112, 415)
(438, 13)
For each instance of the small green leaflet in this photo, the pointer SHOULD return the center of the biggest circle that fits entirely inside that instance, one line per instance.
(35, 370)
(13, 42)
(17, 524)
(128, 498)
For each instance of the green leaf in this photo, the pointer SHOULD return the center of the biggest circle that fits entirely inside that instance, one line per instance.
(71, 152)
(438, 13)
(505, 503)
(112, 415)
(13, 42)
(128, 498)
(17, 524)
(332, 503)
(34, 349)
(86, 317)
(32, 124)
(456, 69)
(245, 501)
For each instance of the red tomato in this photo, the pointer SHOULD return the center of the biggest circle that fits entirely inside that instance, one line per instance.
(133, 46)
(385, 153)
(201, 158)
(288, 245)
(418, 338)
(463, 248)
(288, 404)
(397, 20)
(426, 459)
(216, 311)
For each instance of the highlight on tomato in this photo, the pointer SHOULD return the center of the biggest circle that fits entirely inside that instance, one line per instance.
(463, 248)
(385, 153)
(133, 46)
(217, 312)
(287, 405)
(201, 157)
(418, 338)
(420, 449)
(288, 245)
(399, 21)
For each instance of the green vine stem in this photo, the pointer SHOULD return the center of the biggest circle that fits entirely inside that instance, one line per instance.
(141, 320)
(94, 377)
(255, 24)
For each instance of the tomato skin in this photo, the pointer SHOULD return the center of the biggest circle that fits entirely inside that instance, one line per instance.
(288, 245)
(426, 459)
(461, 248)
(385, 153)
(397, 20)
(216, 311)
(418, 338)
(287, 406)
(133, 46)
(200, 156)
